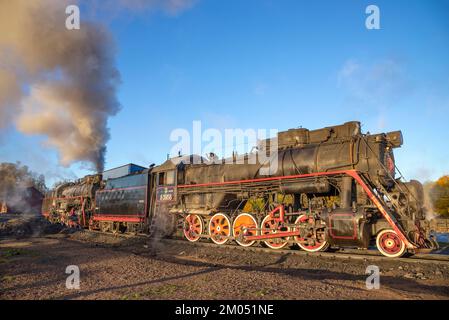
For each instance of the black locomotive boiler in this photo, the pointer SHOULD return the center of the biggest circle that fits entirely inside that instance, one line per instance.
(334, 186)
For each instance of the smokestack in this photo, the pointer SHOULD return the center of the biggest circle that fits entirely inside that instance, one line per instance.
(57, 82)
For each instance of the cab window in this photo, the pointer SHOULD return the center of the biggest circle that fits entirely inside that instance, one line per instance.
(170, 178)
(166, 178)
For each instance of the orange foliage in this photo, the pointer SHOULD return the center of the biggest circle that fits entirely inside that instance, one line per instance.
(440, 196)
(443, 181)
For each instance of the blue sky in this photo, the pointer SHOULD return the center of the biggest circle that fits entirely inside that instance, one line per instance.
(273, 64)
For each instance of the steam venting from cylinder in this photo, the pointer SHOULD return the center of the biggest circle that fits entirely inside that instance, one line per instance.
(56, 82)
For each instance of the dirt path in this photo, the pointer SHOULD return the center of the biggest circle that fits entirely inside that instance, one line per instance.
(34, 268)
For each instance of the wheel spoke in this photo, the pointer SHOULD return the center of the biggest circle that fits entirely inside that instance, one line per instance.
(194, 228)
(219, 230)
(270, 226)
(243, 224)
(314, 245)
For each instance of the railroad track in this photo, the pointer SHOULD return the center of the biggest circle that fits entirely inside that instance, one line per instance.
(346, 254)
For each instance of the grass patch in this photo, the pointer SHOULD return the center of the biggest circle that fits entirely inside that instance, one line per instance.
(8, 253)
(134, 296)
(161, 291)
(262, 292)
(7, 278)
(16, 252)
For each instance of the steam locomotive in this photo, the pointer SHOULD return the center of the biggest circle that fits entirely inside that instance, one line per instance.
(330, 187)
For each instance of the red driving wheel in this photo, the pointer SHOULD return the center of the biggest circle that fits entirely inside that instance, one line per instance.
(193, 227)
(389, 244)
(270, 225)
(319, 245)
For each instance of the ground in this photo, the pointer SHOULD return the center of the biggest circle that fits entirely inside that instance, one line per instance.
(130, 268)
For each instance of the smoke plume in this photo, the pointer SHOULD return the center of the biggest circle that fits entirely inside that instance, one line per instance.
(428, 203)
(57, 82)
(62, 83)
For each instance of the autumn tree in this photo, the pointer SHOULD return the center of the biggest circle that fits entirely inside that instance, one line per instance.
(15, 176)
(440, 196)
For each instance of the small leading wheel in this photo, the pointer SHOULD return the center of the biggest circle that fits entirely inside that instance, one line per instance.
(193, 227)
(220, 228)
(389, 244)
(245, 224)
(319, 245)
(270, 225)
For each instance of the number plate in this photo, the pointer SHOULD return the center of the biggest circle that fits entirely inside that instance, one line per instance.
(166, 194)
